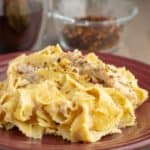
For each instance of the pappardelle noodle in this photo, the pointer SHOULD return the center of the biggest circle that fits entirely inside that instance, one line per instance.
(78, 97)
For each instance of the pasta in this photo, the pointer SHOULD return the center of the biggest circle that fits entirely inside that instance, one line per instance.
(68, 94)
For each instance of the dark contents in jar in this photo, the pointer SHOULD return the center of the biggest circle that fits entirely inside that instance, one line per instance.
(20, 22)
(92, 37)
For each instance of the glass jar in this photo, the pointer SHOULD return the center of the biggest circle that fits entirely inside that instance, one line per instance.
(20, 24)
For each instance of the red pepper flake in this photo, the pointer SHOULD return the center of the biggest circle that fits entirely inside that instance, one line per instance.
(92, 37)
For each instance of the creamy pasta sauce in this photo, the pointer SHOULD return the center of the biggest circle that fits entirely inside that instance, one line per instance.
(78, 97)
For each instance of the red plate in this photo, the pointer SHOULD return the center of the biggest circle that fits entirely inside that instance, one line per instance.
(131, 138)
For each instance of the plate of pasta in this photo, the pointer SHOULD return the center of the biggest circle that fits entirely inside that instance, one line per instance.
(53, 99)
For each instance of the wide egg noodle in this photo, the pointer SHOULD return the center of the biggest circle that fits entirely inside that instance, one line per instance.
(25, 106)
(49, 92)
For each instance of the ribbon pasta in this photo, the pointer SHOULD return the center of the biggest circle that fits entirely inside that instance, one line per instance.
(65, 93)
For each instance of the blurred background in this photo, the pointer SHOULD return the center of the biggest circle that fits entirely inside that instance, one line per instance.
(111, 26)
(137, 39)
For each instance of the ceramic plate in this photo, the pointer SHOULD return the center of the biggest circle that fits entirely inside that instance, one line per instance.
(131, 138)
